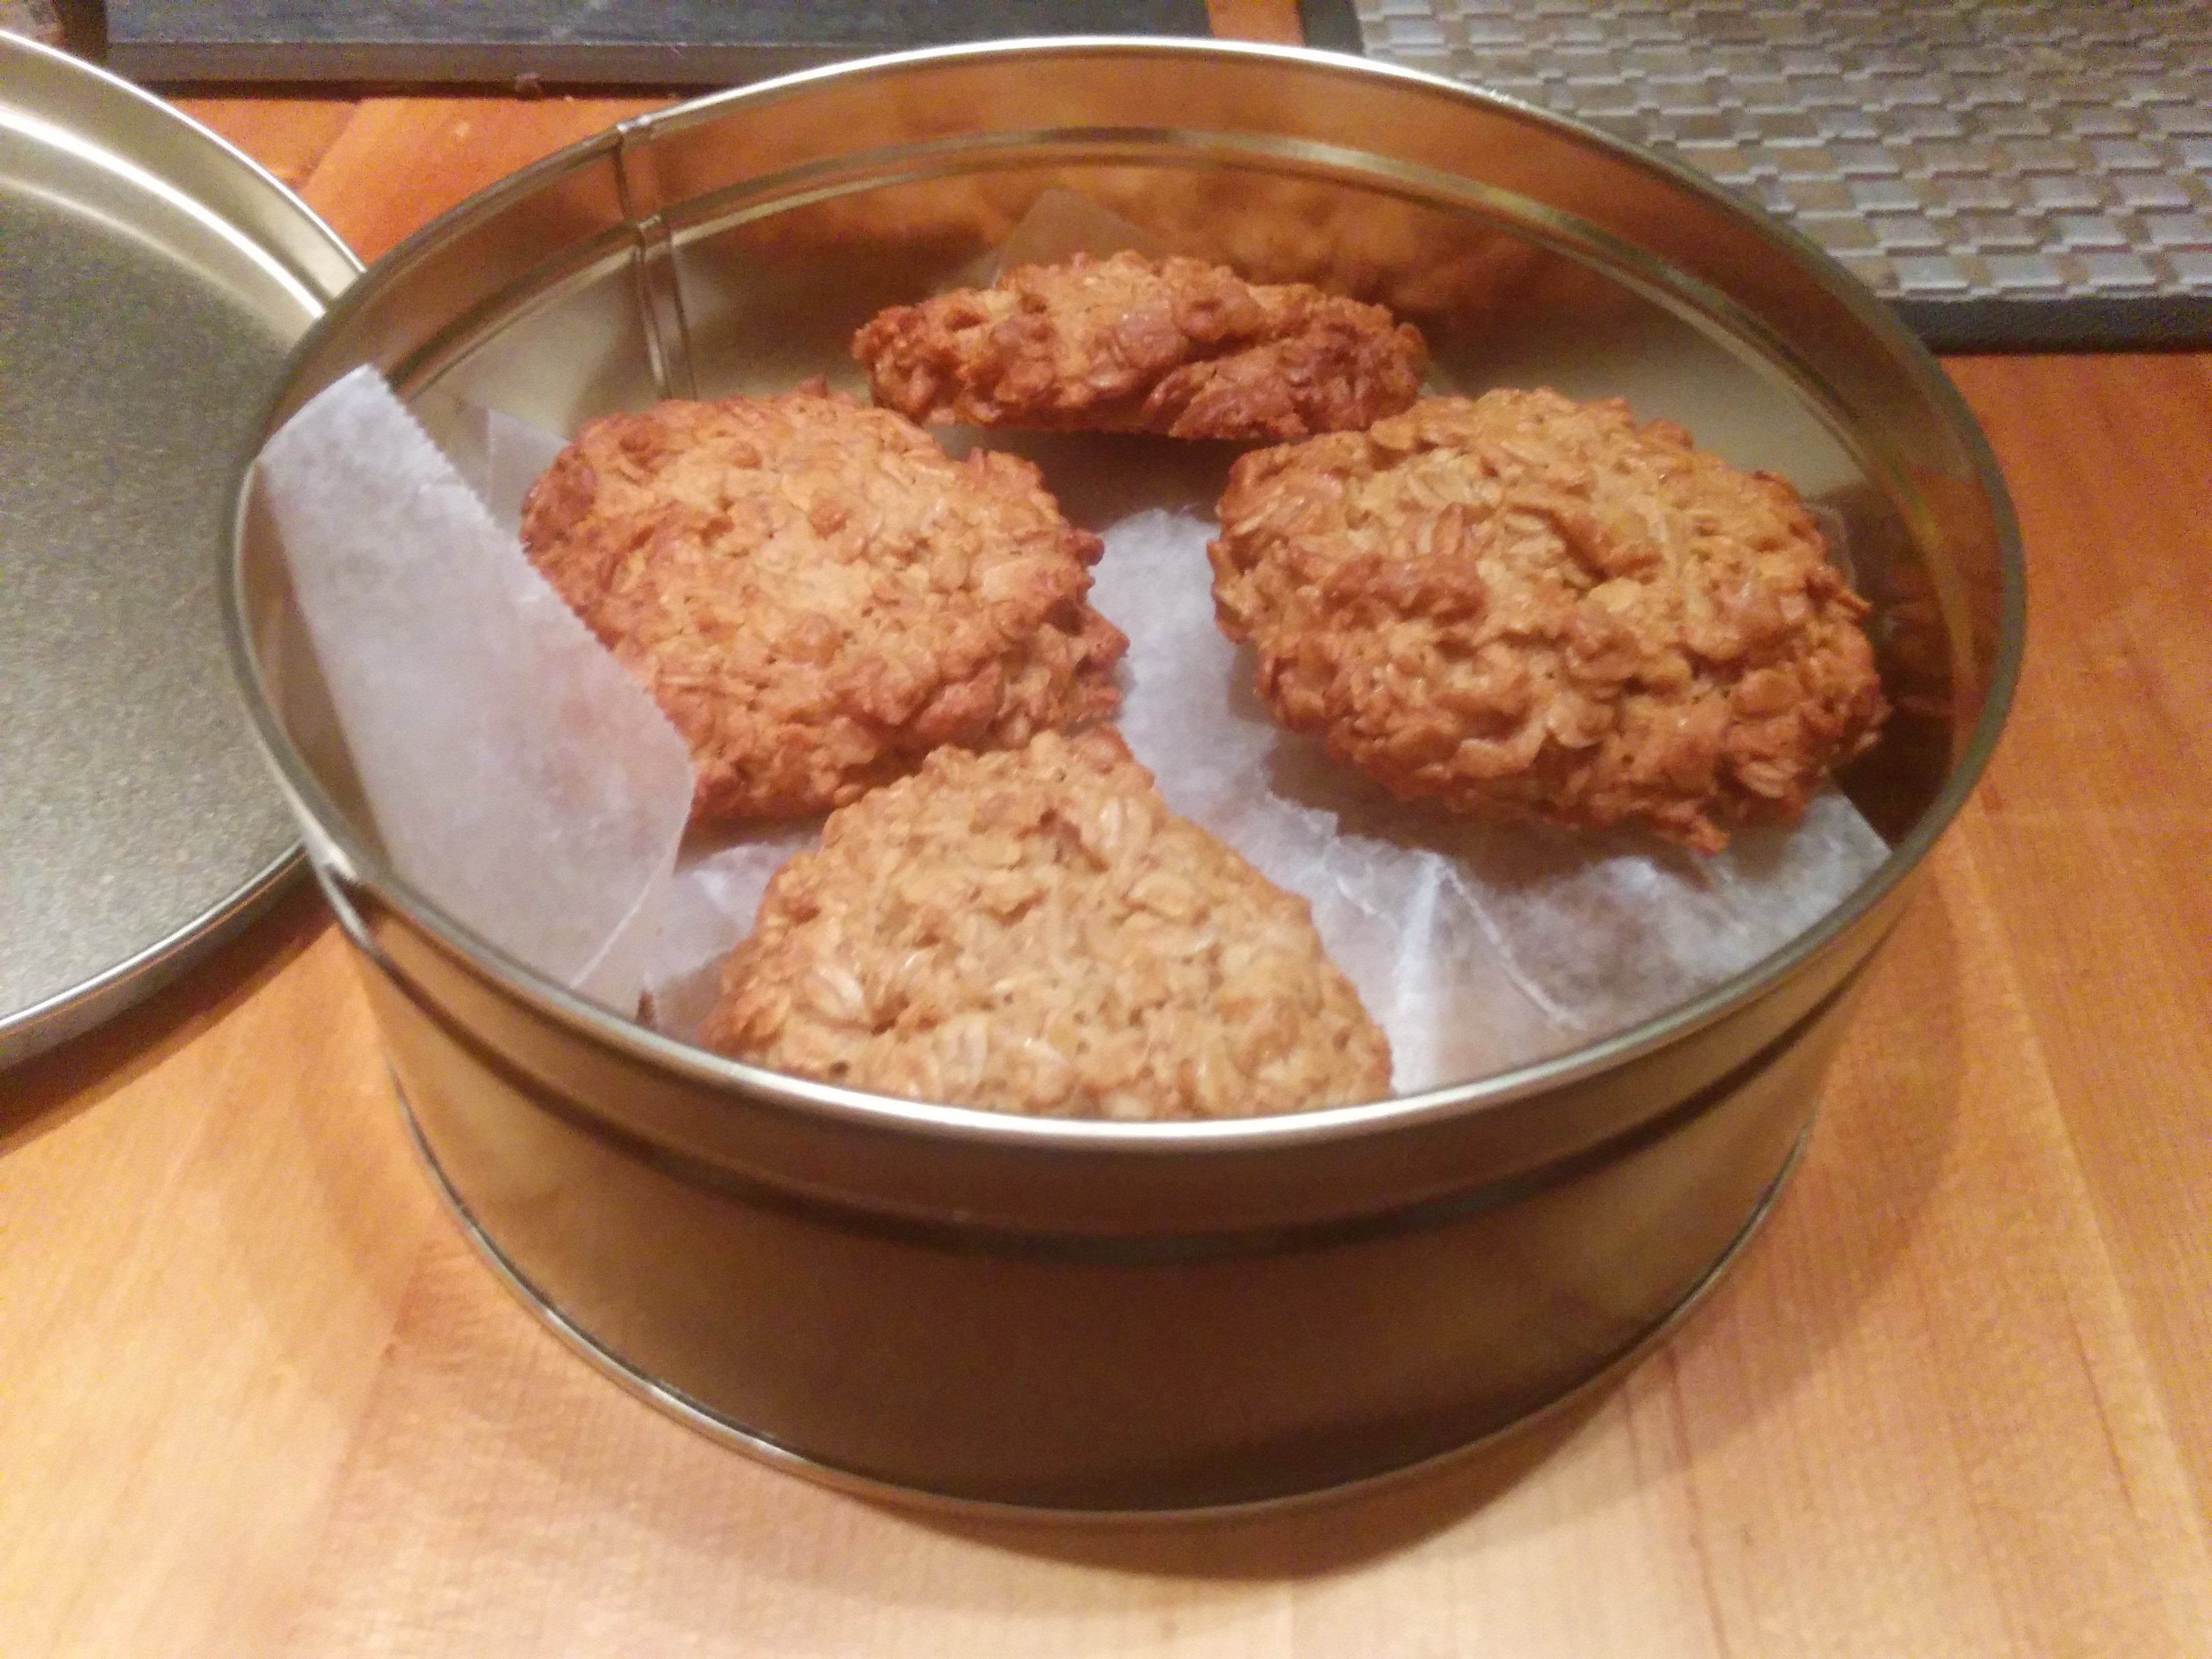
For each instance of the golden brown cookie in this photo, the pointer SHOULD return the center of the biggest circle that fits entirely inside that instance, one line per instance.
(1526, 606)
(1127, 345)
(1035, 932)
(816, 595)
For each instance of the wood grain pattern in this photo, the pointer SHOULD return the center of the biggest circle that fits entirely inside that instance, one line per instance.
(402, 161)
(206, 1219)
(2095, 816)
(1274, 21)
(287, 136)
(258, 1397)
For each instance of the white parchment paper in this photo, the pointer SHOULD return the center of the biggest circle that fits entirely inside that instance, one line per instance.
(519, 776)
(1476, 946)
(523, 781)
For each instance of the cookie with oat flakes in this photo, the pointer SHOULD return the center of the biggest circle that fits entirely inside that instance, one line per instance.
(1035, 932)
(1125, 344)
(816, 595)
(1522, 605)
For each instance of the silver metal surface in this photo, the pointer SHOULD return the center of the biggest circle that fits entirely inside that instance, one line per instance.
(151, 280)
(2042, 154)
(718, 1425)
(1105, 1316)
(32, 18)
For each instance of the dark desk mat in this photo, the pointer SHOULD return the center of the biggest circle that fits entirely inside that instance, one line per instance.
(662, 43)
(2009, 175)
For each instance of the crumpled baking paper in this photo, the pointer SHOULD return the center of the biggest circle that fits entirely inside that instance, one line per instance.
(708, 900)
(1476, 946)
(522, 780)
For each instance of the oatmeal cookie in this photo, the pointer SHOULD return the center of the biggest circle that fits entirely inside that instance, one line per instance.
(1129, 344)
(1522, 606)
(816, 595)
(1035, 932)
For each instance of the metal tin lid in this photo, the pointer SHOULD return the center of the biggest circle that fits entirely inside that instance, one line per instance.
(152, 279)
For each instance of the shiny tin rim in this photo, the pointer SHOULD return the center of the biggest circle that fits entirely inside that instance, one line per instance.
(352, 862)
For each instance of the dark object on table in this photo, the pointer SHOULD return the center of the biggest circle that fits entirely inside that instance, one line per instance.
(686, 43)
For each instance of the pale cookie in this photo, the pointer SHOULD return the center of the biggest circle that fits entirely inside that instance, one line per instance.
(816, 595)
(1525, 606)
(1125, 344)
(1035, 932)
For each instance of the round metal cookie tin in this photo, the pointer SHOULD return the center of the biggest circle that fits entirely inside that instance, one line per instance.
(1110, 1317)
(151, 280)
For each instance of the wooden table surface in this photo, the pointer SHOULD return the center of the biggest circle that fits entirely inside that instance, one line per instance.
(257, 1396)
